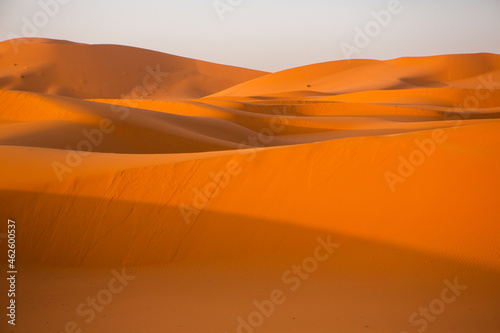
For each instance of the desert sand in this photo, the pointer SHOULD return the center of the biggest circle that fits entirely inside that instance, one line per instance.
(348, 196)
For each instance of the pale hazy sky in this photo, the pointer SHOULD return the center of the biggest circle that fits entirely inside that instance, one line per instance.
(264, 34)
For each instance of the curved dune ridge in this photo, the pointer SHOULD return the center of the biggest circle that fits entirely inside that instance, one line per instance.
(221, 178)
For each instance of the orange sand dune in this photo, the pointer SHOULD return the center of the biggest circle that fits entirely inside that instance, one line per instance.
(340, 77)
(132, 130)
(365, 202)
(110, 71)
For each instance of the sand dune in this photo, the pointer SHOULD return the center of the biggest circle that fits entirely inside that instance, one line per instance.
(348, 76)
(209, 201)
(110, 71)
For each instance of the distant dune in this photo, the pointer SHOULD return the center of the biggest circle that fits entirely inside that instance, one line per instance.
(110, 71)
(209, 189)
(347, 76)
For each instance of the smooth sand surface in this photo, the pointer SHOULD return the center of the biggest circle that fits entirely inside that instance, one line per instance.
(110, 71)
(219, 192)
